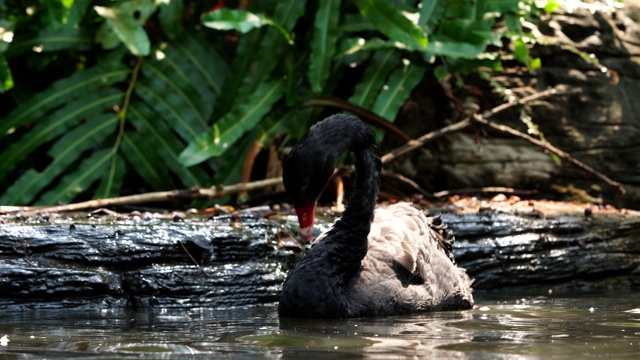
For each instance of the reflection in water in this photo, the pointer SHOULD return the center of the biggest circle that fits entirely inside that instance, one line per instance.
(416, 335)
(502, 326)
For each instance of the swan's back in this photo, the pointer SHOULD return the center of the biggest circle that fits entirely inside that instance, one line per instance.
(408, 267)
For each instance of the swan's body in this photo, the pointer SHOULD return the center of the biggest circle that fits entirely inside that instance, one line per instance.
(394, 262)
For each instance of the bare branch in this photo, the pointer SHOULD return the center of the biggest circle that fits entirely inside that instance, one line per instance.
(461, 125)
(160, 196)
(419, 142)
(563, 155)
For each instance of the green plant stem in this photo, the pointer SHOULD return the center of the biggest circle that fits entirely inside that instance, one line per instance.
(122, 117)
(122, 114)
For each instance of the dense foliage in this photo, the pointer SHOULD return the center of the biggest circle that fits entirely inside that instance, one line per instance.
(100, 96)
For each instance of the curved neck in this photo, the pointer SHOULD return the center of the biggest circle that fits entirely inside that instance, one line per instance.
(332, 137)
(355, 223)
(358, 215)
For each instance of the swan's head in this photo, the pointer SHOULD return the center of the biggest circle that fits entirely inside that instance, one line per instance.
(306, 172)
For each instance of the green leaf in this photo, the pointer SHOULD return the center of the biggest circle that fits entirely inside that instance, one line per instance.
(162, 139)
(230, 172)
(76, 13)
(6, 80)
(378, 70)
(207, 63)
(242, 117)
(393, 23)
(397, 90)
(323, 45)
(77, 85)
(126, 19)
(171, 17)
(535, 63)
(440, 72)
(431, 12)
(190, 62)
(240, 20)
(355, 23)
(350, 46)
(460, 38)
(551, 6)
(521, 51)
(107, 37)
(110, 185)
(498, 6)
(56, 124)
(462, 9)
(6, 34)
(63, 153)
(257, 55)
(188, 99)
(471, 31)
(52, 40)
(91, 169)
(147, 164)
(172, 104)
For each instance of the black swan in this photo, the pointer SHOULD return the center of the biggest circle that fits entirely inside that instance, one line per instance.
(392, 261)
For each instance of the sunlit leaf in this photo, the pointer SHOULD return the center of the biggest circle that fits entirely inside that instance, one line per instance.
(352, 46)
(461, 38)
(126, 20)
(258, 55)
(6, 80)
(391, 22)
(521, 51)
(551, 6)
(535, 64)
(240, 20)
(397, 90)
(377, 73)
(323, 44)
(242, 117)
(6, 34)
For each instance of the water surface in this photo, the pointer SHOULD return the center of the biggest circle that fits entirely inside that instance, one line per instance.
(505, 325)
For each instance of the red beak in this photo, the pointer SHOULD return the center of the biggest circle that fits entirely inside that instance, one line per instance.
(306, 215)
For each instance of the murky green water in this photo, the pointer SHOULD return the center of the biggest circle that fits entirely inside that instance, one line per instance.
(507, 325)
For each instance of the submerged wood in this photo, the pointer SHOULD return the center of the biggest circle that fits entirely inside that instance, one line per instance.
(113, 263)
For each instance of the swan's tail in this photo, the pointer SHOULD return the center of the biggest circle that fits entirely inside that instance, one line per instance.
(446, 238)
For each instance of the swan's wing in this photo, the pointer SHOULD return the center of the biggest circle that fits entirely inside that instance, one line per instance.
(411, 254)
(400, 234)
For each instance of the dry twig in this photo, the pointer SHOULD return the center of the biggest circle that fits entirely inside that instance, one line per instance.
(159, 196)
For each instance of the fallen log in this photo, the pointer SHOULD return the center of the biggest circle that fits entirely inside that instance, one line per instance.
(110, 263)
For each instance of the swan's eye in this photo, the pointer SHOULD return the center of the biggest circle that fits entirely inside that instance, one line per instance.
(305, 184)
